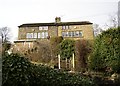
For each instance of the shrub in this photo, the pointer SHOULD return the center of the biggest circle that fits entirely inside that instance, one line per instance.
(54, 42)
(16, 70)
(83, 49)
(67, 48)
(106, 51)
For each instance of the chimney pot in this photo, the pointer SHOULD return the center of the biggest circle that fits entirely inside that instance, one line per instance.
(57, 19)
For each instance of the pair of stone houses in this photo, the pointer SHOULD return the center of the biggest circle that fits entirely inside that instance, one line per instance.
(39, 31)
(29, 33)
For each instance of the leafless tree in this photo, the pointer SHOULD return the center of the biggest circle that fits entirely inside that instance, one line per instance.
(5, 39)
(5, 34)
(97, 29)
(113, 21)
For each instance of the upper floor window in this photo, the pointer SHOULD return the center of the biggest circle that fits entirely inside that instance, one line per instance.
(43, 27)
(65, 27)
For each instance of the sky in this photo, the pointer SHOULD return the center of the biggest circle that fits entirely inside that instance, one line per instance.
(16, 12)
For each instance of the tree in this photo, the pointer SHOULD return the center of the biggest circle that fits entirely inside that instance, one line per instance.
(97, 29)
(5, 37)
(106, 53)
(83, 49)
(54, 42)
(113, 21)
(67, 48)
(5, 34)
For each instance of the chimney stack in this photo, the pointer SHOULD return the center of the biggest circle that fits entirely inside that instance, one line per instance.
(57, 19)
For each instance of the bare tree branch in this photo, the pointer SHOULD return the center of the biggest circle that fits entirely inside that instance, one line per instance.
(5, 34)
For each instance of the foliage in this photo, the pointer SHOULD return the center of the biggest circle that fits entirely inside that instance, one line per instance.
(18, 71)
(106, 53)
(67, 48)
(41, 52)
(83, 49)
(55, 41)
(5, 47)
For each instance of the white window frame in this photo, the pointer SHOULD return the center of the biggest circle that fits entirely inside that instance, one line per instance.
(35, 35)
(29, 35)
(43, 35)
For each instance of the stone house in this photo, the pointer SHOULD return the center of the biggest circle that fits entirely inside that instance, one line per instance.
(29, 34)
(74, 30)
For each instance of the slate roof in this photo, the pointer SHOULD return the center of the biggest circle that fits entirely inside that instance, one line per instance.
(55, 24)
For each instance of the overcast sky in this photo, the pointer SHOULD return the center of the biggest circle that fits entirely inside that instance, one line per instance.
(16, 12)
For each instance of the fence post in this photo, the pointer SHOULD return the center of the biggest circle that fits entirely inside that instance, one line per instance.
(59, 61)
(73, 61)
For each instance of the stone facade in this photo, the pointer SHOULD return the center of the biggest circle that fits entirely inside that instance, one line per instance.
(72, 30)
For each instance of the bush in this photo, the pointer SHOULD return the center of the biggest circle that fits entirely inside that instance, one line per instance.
(18, 71)
(54, 42)
(83, 48)
(106, 53)
(67, 48)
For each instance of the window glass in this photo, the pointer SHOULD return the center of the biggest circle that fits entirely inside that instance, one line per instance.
(29, 35)
(67, 34)
(67, 27)
(39, 35)
(35, 35)
(42, 35)
(77, 33)
(45, 34)
(80, 34)
(63, 27)
(45, 28)
(40, 28)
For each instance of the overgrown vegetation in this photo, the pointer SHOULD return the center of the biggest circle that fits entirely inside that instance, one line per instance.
(106, 53)
(18, 71)
(67, 48)
(83, 48)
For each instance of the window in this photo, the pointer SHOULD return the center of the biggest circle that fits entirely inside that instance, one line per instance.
(35, 35)
(67, 34)
(45, 34)
(39, 35)
(72, 34)
(42, 35)
(65, 27)
(40, 28)
(43, 27)
(77, 34)
(80, 34)
(29, 35)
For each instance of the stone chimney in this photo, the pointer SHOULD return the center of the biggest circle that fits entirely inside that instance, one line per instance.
(57, 19)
